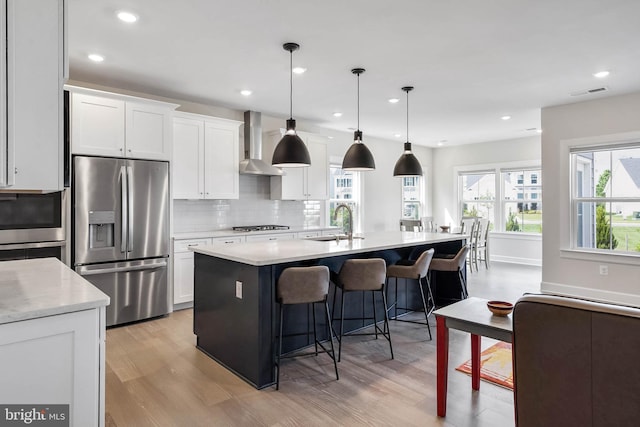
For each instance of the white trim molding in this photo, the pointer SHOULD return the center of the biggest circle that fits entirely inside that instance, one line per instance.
(620, 298)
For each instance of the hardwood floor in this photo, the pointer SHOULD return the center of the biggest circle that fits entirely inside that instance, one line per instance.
(156, 377)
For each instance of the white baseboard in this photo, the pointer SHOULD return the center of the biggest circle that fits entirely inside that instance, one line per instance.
(631, 300)
(516, 260)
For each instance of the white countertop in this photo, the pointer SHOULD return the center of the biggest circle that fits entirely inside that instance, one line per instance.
(42, 287)
(280, 251)
(230, 233)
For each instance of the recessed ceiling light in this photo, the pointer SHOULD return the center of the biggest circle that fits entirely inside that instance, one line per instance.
(127, 17)
(245, 92)
(505, 117)
(95, 57)
(601, 74)
(440, 144)
(394, 100)
(539, 130)
(337, 114)
(298, 70)
(397, 135)
(330, 137)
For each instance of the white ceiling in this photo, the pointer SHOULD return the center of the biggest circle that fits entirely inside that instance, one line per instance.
(471, 61)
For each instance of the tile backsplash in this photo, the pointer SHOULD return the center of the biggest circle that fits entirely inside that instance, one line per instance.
(253, 207)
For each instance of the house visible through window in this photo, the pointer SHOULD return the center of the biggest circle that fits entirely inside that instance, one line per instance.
(524, 215)
(605, 198)
(344, 188)
(412, 197)
(478, 194)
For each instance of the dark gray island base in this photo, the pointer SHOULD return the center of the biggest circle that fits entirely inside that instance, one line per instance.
(236, 327)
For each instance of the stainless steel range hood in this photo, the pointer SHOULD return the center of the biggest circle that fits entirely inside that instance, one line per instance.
(253, 163)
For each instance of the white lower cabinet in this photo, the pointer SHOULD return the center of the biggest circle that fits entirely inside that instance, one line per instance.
(56, 360)
(183, 265)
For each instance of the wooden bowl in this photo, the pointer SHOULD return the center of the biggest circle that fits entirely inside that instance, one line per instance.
(500, 308)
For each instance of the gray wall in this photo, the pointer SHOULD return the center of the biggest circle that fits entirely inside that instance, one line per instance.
(564, 270)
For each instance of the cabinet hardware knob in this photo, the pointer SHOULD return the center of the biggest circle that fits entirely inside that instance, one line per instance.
(120, 149)
(193, 244)
(15, 170)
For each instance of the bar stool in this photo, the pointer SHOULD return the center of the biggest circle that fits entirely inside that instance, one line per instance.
(455, 263)
(417, 271)
(304, 285)
(363, 275)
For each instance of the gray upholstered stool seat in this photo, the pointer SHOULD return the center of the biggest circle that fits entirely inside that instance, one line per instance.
(416, 271)
(456, 263)
(363, 275)
(304, 285)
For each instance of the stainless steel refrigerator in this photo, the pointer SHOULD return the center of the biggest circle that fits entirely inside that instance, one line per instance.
(121, 233)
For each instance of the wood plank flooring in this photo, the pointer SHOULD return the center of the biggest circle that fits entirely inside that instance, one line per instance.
(156, 377)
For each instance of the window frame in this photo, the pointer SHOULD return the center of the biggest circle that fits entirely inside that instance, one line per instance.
(575, 200)
(355, 203)
(421, 197)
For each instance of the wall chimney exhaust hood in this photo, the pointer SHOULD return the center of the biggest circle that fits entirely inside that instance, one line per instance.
(253, 164)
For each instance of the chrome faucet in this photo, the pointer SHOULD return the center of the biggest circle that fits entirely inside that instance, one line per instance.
(335, 216)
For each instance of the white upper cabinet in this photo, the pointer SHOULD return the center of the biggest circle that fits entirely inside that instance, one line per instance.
(32, 73)
(307, 183)
(205, 157)
(105, 124)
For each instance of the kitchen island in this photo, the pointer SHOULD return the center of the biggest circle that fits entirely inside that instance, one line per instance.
(234, 293)
(52, 335)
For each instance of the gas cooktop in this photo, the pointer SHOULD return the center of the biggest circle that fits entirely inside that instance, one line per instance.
(260, 227)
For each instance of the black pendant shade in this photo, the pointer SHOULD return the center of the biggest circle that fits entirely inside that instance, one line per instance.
(407, 164)
(291, 151)
(358, 157)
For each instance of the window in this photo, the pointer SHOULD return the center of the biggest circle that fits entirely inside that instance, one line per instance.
(519, 192)
(478, 192)
(605, 198)
(524, 215)
(344, 188)
(412, 199)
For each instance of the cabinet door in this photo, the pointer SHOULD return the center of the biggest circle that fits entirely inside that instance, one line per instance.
(317, 175)
(35, 74)
(221, 163)
(188, 159)
(182, 277)
(148, 131)
(55, 360)
(97, 125)
(270, 237)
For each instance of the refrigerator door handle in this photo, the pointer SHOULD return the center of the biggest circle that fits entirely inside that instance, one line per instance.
(161, 264)
(123, 203)
(130, 208)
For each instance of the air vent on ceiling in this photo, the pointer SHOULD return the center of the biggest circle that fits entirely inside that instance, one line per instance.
(589, 91)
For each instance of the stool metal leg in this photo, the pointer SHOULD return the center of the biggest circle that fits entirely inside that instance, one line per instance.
(315, 335)
(424, 305)
(375, 317)
(386, 321)
(333, 351)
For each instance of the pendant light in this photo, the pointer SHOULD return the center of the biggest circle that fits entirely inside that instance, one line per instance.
(407, 164)
(358, 157)
(291, 151)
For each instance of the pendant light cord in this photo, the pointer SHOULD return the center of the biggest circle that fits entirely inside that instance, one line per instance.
(358, 75)
(291, 84)
(407, 116)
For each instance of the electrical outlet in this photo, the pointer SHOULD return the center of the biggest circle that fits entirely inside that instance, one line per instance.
(604, 270)
(238, 289)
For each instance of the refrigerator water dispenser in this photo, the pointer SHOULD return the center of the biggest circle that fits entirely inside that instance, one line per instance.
(101, 228)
